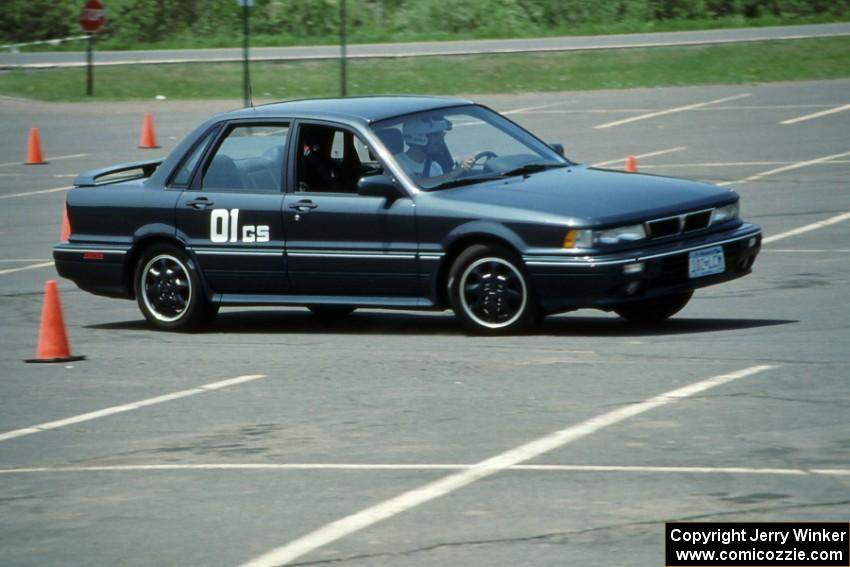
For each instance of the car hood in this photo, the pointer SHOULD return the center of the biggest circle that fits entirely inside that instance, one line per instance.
(584, 196)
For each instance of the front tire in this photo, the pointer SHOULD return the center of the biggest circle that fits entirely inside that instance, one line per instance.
(490, 292)
(654, 310)
(169, 291)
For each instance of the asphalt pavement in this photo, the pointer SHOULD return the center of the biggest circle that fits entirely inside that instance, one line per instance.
(10, 60)
(394, 439)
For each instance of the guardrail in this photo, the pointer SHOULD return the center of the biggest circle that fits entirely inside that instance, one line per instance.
(13, 47)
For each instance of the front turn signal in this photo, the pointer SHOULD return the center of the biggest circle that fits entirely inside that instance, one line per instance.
(578, 238)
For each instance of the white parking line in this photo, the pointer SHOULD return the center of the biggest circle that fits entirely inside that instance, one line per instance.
(24, 268)
(650, 154)
(816, 115)
(785, 168)
(684, 470)
(538, 107)
(808, 228)
(418, 496)
(704, 109)
(670, 111)
(587, 111)
(54, 190)
(127, 407)
(425, 467)
(47, 159)
(733, 164)
(769, 106)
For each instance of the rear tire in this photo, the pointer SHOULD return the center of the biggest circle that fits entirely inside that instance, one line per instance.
(489, 291)
(169, 290)
(654, 310)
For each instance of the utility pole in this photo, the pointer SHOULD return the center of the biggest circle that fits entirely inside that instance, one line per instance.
(246, 73)
(89, 64)
(342, 49)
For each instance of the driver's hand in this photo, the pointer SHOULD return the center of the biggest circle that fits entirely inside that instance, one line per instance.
(467, 163)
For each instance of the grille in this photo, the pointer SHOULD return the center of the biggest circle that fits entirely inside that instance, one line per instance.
(672, 226)
(697, 221)
(664, 227)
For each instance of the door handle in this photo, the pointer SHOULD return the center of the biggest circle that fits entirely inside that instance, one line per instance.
(200, 203)
(303, 206)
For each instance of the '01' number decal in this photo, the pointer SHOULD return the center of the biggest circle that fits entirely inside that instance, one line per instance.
(224, 227)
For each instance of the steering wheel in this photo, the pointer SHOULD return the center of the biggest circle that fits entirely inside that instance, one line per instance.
(485, 155)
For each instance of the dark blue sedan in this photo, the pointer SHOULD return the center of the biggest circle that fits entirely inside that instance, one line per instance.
(394, 202)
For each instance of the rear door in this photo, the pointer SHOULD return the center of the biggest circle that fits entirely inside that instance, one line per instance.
(231, 217)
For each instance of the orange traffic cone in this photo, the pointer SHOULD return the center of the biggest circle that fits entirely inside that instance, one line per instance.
(34, 149)
(65, 234)
(631, 164)
(148, 137)
(52, 340)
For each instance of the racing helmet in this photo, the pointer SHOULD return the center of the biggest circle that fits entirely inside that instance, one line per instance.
(416, 131)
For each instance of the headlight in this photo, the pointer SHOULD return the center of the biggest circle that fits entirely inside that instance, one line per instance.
(620, 234)
(585, 238)
(727, 213)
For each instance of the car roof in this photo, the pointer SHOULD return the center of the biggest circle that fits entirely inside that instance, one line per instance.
(366, 109)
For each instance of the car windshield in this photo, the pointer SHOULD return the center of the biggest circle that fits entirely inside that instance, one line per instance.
(463, 145)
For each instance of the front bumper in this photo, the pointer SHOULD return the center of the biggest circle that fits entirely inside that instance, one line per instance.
(566, 281)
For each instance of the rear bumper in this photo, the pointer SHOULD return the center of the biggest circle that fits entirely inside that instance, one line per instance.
(95, 269)
(564, 282)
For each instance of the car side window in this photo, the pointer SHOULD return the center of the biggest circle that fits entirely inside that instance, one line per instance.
(249, 159)
(331, 160)
(183, 176)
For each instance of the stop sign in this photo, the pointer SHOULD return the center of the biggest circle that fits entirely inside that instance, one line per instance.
(92, 16)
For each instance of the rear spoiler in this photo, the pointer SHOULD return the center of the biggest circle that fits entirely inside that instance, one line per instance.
(145, 169)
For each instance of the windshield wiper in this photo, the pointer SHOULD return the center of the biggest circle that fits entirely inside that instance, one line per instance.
(531, 168)
(461, 181)
(522, 170)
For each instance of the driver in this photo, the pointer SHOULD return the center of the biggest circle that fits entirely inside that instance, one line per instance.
(427, 155)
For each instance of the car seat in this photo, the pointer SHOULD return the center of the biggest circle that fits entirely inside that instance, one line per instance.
(223, 174)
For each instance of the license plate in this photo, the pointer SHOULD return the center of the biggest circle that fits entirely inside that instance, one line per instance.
(706, 262)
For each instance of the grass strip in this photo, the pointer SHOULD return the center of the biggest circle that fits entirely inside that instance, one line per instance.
(808, 59)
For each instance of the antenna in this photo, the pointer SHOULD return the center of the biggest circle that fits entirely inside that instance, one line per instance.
(250, 93)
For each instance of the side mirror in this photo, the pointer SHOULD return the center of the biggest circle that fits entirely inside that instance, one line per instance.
(559, 149)
(377, 186)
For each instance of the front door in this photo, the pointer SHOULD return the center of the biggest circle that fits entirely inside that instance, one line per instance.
(231, 219)
(338, 242)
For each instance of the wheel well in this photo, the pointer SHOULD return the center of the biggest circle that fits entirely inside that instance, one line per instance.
(134, 254)
(454, 250)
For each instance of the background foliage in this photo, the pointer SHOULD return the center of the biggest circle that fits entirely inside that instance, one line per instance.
(133, 22)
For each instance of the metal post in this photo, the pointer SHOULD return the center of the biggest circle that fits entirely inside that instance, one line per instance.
(89, 64)
(246, 91)
(342, 51)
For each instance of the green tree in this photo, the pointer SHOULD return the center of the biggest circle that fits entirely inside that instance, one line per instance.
(34, 20)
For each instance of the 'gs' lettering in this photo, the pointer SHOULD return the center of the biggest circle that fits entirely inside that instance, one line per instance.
(255, 233)
(224, 227)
